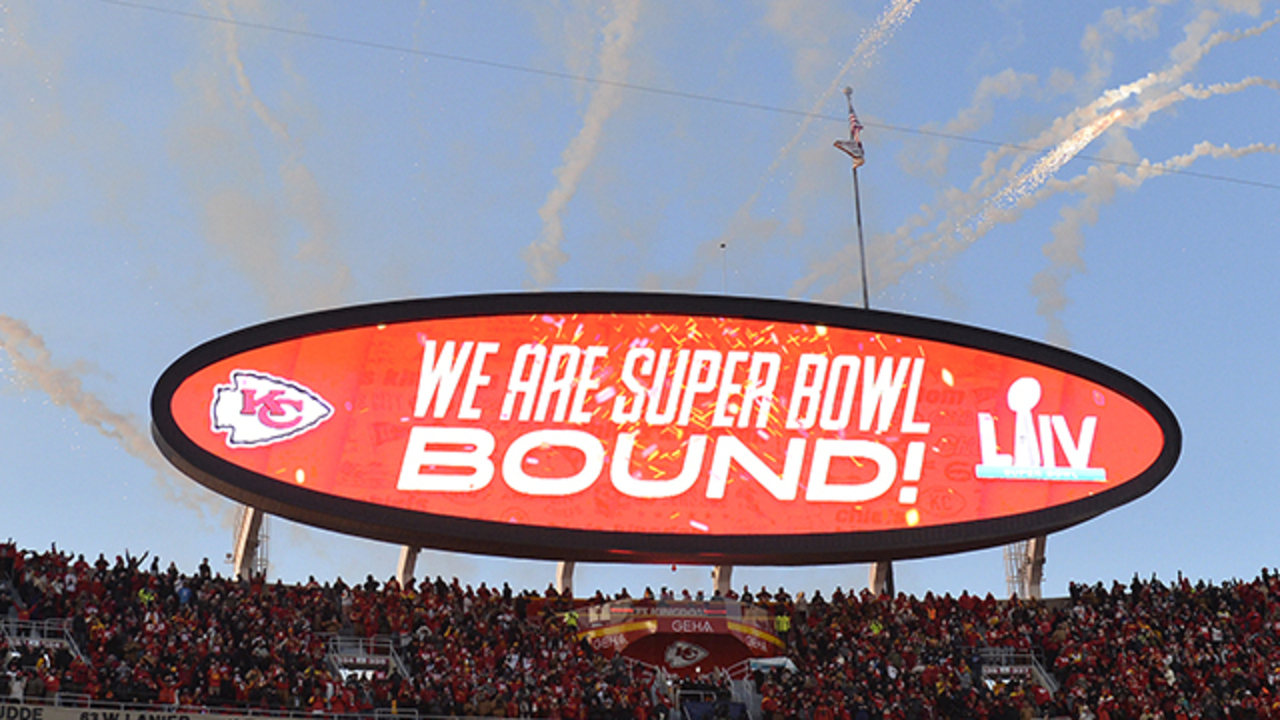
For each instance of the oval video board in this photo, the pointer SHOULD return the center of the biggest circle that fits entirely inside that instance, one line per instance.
(654, 428)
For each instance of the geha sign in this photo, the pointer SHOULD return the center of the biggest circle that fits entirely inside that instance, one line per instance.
(647, 427)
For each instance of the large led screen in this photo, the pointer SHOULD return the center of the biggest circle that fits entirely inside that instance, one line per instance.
(649, 427)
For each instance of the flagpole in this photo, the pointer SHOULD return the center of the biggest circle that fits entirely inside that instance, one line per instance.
(862, 248)
(853, 148)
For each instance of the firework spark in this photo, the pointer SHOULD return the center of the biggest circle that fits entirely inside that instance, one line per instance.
(871, 42)
(1028, 181)
(749, 234)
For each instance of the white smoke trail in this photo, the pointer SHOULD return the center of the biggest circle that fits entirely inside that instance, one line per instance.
(1190, 54)
(260, 109)
(872, 41)
(1049, 164)
(1140, 115)
(266, 234)
(1099, 186)
(1186, 57)
(1055, 159)
(981, 109)
(1146, 170)
(33, 363)
(946, 227)
(747, 232)
(545, 256)
(1032, 178)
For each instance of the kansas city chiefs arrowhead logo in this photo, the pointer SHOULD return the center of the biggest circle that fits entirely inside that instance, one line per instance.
(260, 409)
(681, 654)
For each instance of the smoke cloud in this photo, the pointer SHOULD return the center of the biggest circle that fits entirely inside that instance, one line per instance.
(981, 110)
(745, 232)
(871, 42)
(1000, 192)
(1128, 23)
(1099, 187)
(545, 256)
(1047, 166)
(264, 209)
(33, 364)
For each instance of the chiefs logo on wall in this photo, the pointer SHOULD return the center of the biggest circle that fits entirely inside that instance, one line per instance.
(681, 654)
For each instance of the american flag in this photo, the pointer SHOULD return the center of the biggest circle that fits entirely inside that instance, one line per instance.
(855, 126)
(853, 146)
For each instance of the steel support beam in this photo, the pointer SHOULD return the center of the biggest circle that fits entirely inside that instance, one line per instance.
(1035, 566)
(246, 548)
(564, 577)
(881, 578)
(722, 579)
(408, 562)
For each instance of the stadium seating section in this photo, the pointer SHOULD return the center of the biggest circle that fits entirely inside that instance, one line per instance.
(129, 631)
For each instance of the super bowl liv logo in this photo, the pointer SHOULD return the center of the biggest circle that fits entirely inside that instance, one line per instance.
(1036, 439)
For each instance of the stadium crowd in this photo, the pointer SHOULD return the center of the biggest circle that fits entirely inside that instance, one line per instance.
(1147, 649)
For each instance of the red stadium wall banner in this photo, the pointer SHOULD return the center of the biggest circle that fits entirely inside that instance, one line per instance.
(683, 638)
(654, 428)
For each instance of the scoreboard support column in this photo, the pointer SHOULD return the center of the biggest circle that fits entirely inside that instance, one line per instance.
(408, 562)
(722, 579)
(880, 581)
(564, 577)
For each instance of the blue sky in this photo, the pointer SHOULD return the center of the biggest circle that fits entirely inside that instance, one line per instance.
(175, 170)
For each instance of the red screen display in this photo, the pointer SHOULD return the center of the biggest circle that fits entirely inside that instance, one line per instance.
(665, 424)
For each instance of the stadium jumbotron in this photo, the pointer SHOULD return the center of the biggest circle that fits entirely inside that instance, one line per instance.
(664, 428)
